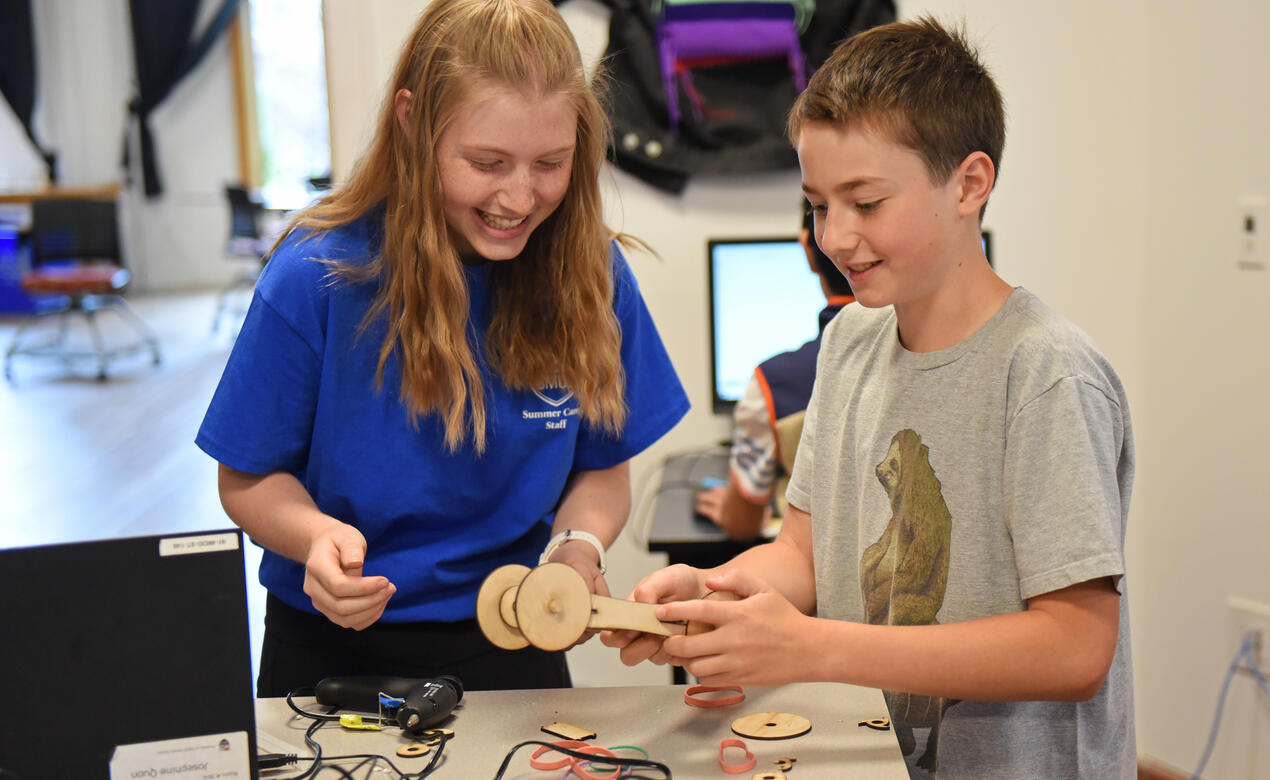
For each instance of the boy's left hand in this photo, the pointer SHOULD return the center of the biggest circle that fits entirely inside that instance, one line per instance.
(754, 640)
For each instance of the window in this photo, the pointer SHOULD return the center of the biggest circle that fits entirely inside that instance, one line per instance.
(284, 128)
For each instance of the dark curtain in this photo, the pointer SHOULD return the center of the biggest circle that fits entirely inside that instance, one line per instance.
(162, 39)
(17, 71)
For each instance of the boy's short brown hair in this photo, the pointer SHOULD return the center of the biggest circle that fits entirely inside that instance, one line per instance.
(917, 80)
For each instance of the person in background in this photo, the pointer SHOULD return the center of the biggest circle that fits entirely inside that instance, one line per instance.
(956, 524)
(446, 364)
(769, 417)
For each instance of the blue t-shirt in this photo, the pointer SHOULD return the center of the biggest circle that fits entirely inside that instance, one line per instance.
(298, 395)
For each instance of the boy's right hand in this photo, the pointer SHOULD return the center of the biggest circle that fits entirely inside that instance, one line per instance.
(673, 583)
(333, 578)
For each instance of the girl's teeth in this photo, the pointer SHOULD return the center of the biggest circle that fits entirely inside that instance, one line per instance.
(499, 223)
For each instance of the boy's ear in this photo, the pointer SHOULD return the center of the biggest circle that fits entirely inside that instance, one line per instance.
(804, 238)
(976, 175)
(401, 104)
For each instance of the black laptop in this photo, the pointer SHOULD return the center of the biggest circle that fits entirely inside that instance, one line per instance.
(123, 656)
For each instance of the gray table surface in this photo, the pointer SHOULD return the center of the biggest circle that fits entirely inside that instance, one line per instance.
(488, 723)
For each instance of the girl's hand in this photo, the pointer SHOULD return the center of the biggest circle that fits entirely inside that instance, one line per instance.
(333, 578)
(583, 558)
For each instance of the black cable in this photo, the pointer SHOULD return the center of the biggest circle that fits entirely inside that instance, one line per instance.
(319, 765)
(592, 757)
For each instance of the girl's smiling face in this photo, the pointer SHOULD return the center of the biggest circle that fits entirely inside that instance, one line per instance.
(505, 161)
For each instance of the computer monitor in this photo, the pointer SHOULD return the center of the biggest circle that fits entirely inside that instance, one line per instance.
(763, 300)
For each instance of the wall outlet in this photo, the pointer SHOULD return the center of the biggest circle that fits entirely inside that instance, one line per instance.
(1246, 615)
(1254, 232)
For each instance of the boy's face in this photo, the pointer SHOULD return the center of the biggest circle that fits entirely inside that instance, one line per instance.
(885, 224)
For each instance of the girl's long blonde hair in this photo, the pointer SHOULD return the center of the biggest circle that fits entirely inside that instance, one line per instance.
(553, 322)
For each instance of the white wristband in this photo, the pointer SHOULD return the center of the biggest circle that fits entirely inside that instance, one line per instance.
(569, 535)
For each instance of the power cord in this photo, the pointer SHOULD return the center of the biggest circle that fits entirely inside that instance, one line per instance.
(1244, 655)
(319, 764)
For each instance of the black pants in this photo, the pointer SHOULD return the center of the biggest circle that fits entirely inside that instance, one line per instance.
(300, 649)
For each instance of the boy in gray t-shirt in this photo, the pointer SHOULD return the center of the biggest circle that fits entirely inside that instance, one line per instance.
(955, 533)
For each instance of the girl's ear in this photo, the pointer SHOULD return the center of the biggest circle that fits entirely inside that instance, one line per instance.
(976, 175)
(401, 104)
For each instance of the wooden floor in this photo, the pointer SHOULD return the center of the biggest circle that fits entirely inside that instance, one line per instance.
(86, 459)
(91, 459)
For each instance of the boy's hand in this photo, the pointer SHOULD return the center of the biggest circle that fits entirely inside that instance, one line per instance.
(673, 583)
(753, 642)
(333, 579)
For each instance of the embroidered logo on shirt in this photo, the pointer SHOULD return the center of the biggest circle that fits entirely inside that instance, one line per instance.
(555, 418)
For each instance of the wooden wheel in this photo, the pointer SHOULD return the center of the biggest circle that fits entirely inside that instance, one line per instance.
(771, 725)
(553, 606)
(497, 630)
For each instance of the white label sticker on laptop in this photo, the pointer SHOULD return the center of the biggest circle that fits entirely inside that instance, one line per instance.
(213, 755)
(186, 545)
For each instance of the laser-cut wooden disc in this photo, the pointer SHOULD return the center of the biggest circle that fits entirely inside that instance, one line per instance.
(488, 614)
(553, 606)
(771, 725)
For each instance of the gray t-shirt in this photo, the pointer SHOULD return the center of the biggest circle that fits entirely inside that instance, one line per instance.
(955, 485)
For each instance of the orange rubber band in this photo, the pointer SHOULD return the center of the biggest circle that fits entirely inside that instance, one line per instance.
(564, 743)
(690, 695)
(736, 769)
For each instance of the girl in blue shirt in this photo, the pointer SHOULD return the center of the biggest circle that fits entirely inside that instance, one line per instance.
(447, 362)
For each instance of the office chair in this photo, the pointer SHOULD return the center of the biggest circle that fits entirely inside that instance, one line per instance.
(75, 254)
(246, 240)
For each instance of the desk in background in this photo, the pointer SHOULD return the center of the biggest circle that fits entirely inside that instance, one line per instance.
(655, 717)
(676, 528)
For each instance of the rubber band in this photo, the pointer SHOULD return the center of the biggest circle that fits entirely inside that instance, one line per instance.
(736, 769)
(573, 744)
(577, 764)
(623, 771)
(690, 695)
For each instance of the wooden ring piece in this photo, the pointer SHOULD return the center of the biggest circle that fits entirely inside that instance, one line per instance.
(488, 615)
(771, 725)
(768, 776)
(690, 696)
(413, 750)
(877, 724)
(736, 769)
(553, 606)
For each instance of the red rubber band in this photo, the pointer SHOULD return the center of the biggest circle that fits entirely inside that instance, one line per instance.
(564, 743)
(736, 769)
(690, 695)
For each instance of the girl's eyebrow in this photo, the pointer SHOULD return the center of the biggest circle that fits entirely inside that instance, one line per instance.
(567, 149)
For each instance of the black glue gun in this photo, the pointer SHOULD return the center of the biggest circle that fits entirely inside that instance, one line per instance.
(426, 701)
